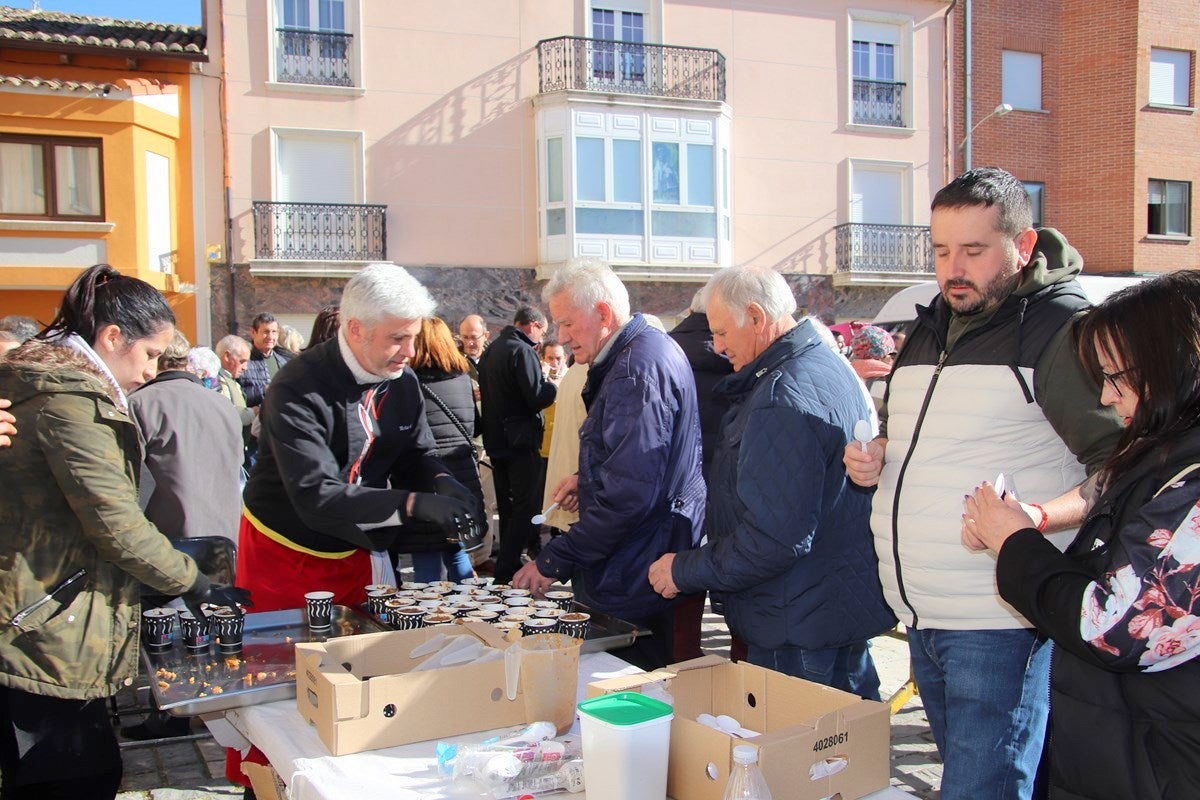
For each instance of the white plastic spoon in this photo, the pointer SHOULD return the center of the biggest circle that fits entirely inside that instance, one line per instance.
(862, 432)
(539, 519)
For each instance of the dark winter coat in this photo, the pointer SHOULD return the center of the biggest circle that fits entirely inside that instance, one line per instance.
(641, 492)
(513, 392)
(789, 549)
(255, 378)
(312, 483)
(1124, 711)
(451, 446)
(708, 368)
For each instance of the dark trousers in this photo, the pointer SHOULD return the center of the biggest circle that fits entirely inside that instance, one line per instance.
(518, 480)
(657, 649)
(52, 748)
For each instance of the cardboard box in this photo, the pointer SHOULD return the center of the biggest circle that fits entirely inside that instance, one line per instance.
(361, 693)
(806, 730)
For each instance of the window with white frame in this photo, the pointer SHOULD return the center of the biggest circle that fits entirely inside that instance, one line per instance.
(634, 187)
(879, 52)
(619, 55)
(1169, 208)
(318, 167)
(1037, 201)
(312, 43)
(1021, 80)
(1170, 77)
(56, 177)
(158, 213)
(878, 192)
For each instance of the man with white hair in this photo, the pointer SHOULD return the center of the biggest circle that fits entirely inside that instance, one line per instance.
(343, 466)
(789, 549)
(639, 489)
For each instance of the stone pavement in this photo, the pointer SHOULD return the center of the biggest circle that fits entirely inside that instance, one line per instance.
(194, 768)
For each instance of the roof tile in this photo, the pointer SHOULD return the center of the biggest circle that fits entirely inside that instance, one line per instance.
(75, 30)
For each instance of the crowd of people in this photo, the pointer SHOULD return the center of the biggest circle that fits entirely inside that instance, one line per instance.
(817, 493)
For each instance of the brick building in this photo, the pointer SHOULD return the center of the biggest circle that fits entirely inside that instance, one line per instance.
(1103, 127)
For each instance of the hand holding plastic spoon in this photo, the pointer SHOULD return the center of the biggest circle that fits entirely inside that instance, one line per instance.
(862, 433)
(540, 519)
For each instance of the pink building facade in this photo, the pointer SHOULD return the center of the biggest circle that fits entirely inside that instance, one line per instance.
(481, 144)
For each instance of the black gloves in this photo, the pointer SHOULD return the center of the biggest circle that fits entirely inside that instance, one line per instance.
(447, 486)
(448, 514)
(205, 591)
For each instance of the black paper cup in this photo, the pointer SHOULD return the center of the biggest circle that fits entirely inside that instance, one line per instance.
(194, 632)
(320, 609)
(157, 627)
(229, 625)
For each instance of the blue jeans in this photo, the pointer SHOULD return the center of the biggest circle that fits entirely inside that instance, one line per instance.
(427, 567)
(848, 668)
(987, 696)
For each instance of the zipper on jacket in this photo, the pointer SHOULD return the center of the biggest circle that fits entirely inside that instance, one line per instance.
(20, 616)
(900, 483)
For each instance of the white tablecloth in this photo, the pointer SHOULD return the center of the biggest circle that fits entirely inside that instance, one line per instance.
(408, 772)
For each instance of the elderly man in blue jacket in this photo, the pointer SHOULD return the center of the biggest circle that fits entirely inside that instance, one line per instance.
(639, 489)
(789, 549)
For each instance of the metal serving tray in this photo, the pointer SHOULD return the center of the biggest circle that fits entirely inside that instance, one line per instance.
(186, 684)
(605, 632)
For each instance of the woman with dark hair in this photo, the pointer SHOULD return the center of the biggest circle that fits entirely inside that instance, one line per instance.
(1123, 603)
(325, 326)
(450, 410)
(74, 546)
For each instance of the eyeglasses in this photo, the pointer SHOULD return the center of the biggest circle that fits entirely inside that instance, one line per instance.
(479, 338)
(1113, 377)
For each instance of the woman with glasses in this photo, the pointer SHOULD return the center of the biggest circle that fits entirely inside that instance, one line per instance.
(1123, 602)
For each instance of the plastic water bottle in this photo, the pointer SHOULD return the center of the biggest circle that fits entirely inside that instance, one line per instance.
(746, 781)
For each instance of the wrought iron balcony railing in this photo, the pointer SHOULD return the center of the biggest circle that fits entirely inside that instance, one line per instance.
(879, 103)
(863, 247)
(605, 65)
(320, 231)
(316, 57)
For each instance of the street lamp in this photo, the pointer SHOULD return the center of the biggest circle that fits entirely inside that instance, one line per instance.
(965, 144)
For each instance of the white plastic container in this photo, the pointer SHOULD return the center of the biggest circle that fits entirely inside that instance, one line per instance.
(626, 744)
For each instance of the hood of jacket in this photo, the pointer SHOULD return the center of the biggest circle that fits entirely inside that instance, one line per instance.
(39, 367)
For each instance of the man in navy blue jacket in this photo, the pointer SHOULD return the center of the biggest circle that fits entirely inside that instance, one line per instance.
(789, 548)
(639, 489)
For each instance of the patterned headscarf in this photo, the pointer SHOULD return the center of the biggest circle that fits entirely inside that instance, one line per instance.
(872, 342)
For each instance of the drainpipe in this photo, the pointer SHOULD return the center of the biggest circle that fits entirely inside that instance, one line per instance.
(227, 172)
(967, 84)
(946, 95)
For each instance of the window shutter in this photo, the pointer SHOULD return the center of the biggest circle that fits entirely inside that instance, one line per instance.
(317, 169)
(1170, 77)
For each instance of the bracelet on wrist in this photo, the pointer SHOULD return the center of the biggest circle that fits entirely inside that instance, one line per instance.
(1044, 520)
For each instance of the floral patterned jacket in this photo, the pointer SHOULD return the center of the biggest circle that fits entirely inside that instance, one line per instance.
(1123, 607)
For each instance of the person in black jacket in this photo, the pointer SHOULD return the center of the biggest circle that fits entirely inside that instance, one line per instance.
(708, 367)
(514, 392)
(1121, 604)
(450, 412)
(266, 358)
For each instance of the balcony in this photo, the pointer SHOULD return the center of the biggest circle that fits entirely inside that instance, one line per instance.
(869, 254)
(321, 232)
(604, 65)
(318, 58)
(878, 103)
